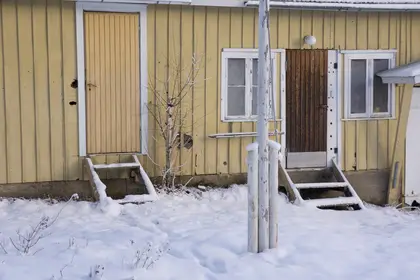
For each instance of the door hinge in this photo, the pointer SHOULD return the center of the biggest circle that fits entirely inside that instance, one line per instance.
(336, 150)
(335, 65)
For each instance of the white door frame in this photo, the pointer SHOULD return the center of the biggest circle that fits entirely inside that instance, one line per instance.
(333, 115)
(110, 7)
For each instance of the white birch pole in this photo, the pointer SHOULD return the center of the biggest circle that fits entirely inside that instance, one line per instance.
(252, 162)
(262, 126)
(274, 191)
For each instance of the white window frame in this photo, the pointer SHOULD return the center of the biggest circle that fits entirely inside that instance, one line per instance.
(247, 54)
(369, 56)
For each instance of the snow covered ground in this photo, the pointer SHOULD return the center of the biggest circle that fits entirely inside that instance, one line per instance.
(206, 239)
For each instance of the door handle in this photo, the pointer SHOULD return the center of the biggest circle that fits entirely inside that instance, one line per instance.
(90, 86)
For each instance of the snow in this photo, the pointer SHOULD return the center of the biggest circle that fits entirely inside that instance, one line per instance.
(205, 238)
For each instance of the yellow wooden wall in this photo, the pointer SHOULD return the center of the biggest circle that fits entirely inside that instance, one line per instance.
(38, 127)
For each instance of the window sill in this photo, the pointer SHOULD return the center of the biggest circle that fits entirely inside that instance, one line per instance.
(369, 119)
(248, 120)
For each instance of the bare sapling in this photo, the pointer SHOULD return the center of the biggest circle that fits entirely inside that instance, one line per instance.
(171, 111)
(27, 240)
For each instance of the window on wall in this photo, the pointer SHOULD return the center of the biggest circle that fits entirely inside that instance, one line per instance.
(366, 95)
(240, 86)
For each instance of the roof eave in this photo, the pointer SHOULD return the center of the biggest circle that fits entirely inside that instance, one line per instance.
(339, 6)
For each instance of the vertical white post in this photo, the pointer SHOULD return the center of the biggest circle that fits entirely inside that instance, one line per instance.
(262, 126)
(274, 149)
(252, 162)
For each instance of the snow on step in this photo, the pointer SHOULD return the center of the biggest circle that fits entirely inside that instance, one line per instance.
(295, 188)
(321, 185)
(333, 201)
(137, 199)
(117, 165)
(99, 188)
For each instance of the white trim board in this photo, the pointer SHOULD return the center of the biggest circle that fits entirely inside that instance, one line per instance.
(81, 92)
(332, 123)
(305, 5)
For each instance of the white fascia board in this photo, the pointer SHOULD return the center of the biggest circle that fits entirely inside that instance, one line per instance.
(339, 6)
(208, 3)
(401, 80)
(177, 2)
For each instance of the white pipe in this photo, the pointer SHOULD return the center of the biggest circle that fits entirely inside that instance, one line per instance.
(252, 162)
(274, 191)
(262, 125)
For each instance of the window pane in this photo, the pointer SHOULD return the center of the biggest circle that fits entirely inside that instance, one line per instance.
(236, 71)
(236, 101)
(358, 86)
(254, 100)
(380, 90)
(255, 72)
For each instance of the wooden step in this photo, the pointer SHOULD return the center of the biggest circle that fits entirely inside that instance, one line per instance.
(117, 165)
(321, 185)
(336, 201)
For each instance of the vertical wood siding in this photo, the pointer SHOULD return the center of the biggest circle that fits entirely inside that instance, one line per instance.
(38, 126)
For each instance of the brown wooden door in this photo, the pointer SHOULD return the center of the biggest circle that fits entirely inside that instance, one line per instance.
(306, 106)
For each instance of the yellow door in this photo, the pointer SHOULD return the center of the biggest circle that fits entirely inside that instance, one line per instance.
(112, 82)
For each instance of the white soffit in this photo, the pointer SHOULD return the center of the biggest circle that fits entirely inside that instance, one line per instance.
(404, 74)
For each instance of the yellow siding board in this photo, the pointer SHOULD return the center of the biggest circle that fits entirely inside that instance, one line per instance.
(150, 167)
(29, 166)
(70, 94)
(372, 125)
(12, 94)
(283, 28)
(162, 54)
(295, 39)
(317, 28)
(361, 126)
(349, 127)
(212, 73)
(188, 108)
(273, 27)
(305, 28)
(223, 41)
(199, 101)
(393, 43)
(384, 43)
(3, 143)
(41, 91)
(56, 92)
(235, 151)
